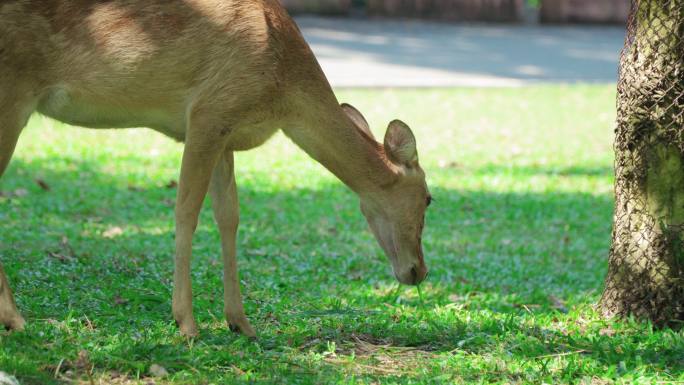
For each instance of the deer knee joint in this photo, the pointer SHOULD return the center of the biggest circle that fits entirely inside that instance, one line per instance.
(186, 221)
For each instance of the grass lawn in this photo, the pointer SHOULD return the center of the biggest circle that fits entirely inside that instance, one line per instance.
(517, 243)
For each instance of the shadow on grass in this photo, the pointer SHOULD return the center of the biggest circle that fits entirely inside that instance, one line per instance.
(310, 270)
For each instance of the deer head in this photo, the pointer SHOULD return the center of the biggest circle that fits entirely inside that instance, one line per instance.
(396, 213)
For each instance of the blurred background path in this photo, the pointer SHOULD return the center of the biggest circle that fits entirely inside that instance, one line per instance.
(399, 53)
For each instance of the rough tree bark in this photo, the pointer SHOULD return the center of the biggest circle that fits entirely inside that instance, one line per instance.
(646, 265)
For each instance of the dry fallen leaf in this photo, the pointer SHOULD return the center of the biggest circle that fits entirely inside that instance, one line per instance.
(66, 247)
(158, 371)
(113, 232)
(442, 163)
(456, 298)
(238, 371)
(59, 256)
(42, 184)
(82, 361)
(120, 301)
(88, 323)
(257, 252)
(558, 303)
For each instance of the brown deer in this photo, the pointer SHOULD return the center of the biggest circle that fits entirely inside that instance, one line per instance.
(220, 76)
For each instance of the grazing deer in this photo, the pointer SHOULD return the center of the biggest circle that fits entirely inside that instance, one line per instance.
(220, 76)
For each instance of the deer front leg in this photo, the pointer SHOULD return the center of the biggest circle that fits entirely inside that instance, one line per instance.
(201, 152)
(224, 197)
(13, 116)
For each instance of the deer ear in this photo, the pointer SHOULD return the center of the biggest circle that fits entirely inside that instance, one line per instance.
(400, 144)
(358, 119)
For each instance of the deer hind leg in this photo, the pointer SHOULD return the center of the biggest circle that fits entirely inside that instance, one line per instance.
(14, 113)
(203, 147)
(224, 198)
(9, 314)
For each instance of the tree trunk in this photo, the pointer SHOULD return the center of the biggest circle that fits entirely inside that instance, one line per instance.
(646, 265)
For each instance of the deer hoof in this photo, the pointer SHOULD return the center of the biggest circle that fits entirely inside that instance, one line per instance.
(15, 323)
(188, 328)
(241, 325)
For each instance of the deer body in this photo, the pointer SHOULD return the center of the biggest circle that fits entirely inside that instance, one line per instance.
(120, 64)
(221, 76)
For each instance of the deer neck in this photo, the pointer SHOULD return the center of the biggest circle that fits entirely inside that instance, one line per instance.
(333, 140)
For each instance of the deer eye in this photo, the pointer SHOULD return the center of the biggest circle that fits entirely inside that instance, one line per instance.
(429, 200)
